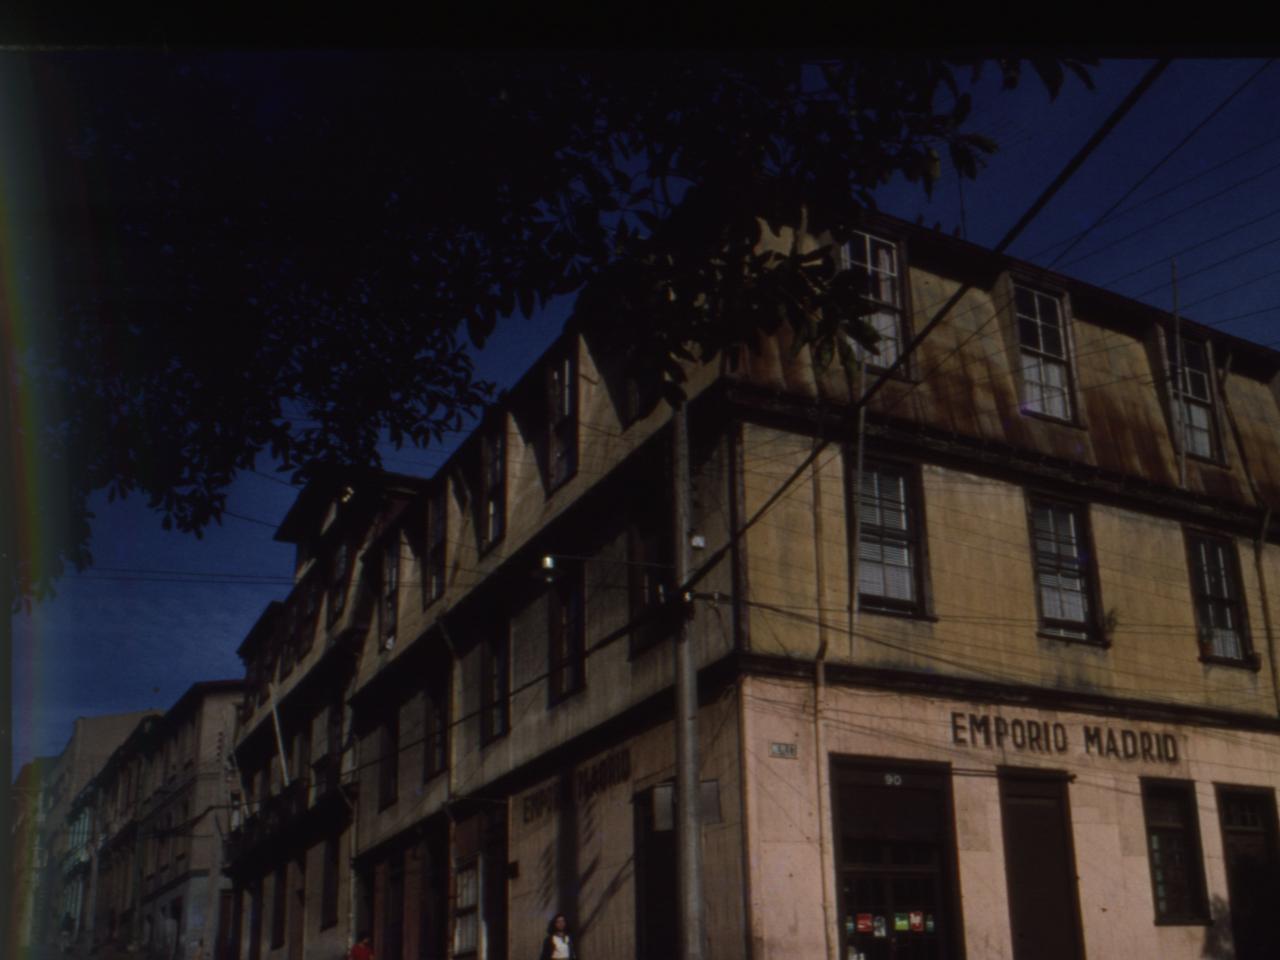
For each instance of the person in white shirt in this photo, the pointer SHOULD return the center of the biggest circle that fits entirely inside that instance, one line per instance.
(559, 945)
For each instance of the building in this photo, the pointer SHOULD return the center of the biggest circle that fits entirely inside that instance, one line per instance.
(28, 853)
(151, 824)
(56, 897)
(991, 674)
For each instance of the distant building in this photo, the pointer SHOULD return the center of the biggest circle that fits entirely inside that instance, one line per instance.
(994, 676)
(28, 850)
(152, 822)
(57, 910)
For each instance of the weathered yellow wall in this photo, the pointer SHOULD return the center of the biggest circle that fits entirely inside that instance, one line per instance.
(979, 562)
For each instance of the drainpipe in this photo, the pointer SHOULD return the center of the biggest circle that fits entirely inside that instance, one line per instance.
(829, 909)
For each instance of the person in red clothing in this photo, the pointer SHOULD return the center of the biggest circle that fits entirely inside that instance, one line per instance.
(360, 950)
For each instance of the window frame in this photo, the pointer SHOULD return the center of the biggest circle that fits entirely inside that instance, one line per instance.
(331, 867)
(1197, 913)
(338, 581)
(916, 539)
(468, 911)
(1023, 349)
(1092, 630)
(389, 759)
(901, 288)
(495, 683)
(1235, 599)
(566, 633)
(308, 614)
(435, 544)
(389, 563)
(562, 418)
(435, 707)
(1181, 398)
(279, 905)
(492, 502)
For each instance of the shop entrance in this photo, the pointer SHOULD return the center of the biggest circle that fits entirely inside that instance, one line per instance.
(895, 854)
(1248, 818)
(1040, 865)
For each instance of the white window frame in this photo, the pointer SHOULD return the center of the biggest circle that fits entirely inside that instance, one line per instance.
(1039, 363)
(882, 287)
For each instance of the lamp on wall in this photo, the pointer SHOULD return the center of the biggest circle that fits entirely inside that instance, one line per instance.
(547, 568)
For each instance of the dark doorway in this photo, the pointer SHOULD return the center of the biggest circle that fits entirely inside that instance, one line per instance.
(657, 879)
(228, 942)
(1040, 865)
(1248, 818)
(895, 861)
(433, 935)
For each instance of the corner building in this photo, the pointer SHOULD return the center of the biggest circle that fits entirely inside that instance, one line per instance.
(991, 677)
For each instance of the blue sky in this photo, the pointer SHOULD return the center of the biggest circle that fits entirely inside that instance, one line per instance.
(126, 636)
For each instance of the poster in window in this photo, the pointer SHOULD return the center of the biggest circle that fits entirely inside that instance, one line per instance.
(917, 921)
(880, 928)
(864, 923)
(901, 923)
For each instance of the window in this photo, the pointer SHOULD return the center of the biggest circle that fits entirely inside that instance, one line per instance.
(562, 420)
(329, 884)
(286, 641)
(435, 729)
(566, 632)
(309, 602)
(493, 486)
(651, 571)
(1173, 850)
(389, 760)
(1215, 587)
(433, 562)
(279, 903)
(495, 683)
(338, 581)
(389, 600)
(889, 544)
(874, 261)
(1042, 338)
(1064, 577)
(1193, 398)
(466, 924)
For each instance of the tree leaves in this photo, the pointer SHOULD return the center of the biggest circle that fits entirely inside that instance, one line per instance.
(279, 252)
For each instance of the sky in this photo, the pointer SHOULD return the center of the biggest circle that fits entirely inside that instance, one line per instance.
(161, 610)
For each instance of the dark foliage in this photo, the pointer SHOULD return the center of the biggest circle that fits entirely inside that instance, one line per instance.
(284, 254)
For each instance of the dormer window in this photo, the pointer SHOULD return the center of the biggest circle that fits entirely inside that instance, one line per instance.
(338, 580)
(493, 486)
(389, 596)
(433, 559)
(562, 417)
(1192, 393)
(1044, 358)
(874, 260)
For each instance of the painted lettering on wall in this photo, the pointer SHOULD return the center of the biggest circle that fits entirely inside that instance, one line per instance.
(996, 732)
(589, 780)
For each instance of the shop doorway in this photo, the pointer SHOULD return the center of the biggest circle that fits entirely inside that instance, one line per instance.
(895, 861)
(1248, 819)
(657, 878)
(1040, 865)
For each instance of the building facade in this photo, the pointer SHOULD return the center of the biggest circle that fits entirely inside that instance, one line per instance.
(987, 672)
(150, 825)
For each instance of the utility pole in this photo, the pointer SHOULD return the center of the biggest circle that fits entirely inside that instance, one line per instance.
(688, 791)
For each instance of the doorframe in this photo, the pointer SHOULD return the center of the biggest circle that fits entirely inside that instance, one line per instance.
(1249, 790)
(1005, 774)
(949, 871)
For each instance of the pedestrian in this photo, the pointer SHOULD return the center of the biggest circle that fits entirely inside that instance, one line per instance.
(361, 950)
(559, 945)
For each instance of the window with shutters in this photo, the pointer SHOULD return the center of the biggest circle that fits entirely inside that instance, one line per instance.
(1215, 587)
(889, 541)
(874, 261)
(1173, 851)
(1192, 394)
(1044, 355)
(1064, 572)
(338, 571)
(389, 759)
(435, 733)
(466, 920)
